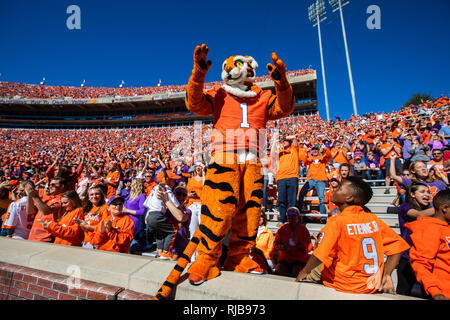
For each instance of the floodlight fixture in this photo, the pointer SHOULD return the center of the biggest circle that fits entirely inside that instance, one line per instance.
(316, 13)
(337, 5)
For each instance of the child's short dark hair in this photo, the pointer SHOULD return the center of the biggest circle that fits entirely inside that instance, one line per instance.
(362, 190)
(442, 197)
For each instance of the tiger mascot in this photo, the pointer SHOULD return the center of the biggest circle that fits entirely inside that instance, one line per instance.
(233, 189)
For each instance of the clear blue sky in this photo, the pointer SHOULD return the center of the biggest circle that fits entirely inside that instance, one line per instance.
(141, 42)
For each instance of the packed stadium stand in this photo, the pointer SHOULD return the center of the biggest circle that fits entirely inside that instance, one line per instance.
(134, 128)
(42, 106)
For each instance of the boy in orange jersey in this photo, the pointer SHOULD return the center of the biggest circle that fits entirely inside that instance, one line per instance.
(430, 251)
(354, 243)
(115, 232)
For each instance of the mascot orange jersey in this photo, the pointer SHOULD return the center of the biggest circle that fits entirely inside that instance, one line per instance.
(233, 190)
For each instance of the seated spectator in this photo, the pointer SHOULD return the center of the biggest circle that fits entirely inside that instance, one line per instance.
(360, 167)
(429, 255)
(417, 204)
(64, 229)
(114, 232)
(373, 168)
(292, 244)
(261, 253)
(343, 270)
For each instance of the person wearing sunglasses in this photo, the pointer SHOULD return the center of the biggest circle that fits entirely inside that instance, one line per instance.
(291, 245)
(438, 162)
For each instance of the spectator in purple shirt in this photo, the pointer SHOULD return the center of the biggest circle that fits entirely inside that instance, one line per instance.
(419, 173)
(417, 204)
(437, 141)
(373, 167)
(134, 203)
(183, 234)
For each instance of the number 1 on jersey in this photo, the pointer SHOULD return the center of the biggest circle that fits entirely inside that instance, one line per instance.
(244, 123)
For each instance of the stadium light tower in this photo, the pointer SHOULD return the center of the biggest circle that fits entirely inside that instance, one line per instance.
(337, 5)
(316, 14)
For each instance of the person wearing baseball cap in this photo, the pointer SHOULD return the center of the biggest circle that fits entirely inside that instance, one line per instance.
(287, 174)
(293, 242)
(115, 231)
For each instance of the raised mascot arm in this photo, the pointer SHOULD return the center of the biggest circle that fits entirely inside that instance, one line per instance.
(282, 104)
(196, 100)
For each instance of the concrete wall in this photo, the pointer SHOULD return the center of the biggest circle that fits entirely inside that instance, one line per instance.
(125, 276)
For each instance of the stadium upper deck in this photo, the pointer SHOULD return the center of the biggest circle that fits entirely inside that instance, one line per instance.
(40, 106)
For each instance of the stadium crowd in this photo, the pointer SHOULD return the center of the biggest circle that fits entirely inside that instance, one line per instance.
(112, 189)
(41, 91)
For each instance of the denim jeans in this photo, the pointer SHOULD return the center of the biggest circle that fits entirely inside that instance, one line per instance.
(266, 182)
(287, 196)
(320, 188)
(379, 176)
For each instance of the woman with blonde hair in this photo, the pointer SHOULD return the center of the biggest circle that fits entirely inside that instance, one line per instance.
(18, 222)
(134, 203)
(65, 229)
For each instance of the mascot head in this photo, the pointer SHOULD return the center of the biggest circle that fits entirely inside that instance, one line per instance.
(238, 73)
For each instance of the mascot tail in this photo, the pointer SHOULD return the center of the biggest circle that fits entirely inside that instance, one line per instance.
(172, 280)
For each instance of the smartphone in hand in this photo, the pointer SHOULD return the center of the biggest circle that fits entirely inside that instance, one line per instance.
(77, 220)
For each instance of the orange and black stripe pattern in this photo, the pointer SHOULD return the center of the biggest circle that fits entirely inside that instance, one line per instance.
(183, 260)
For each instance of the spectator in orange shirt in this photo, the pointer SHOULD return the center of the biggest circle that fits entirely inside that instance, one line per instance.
(387, 148)
(339, 154)
(287, 175)
(115, 232)
(430, 252)
(292, 244)
(331, 208)
(354, 243)
(149, 181)
(438, 162)
(261, 253)
(45, 210)
(112, 179)
(95, 209)
(65, 229)
(317, 177)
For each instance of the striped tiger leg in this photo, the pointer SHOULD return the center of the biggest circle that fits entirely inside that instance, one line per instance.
(219, 205)
(172, 280)
(246, 222)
